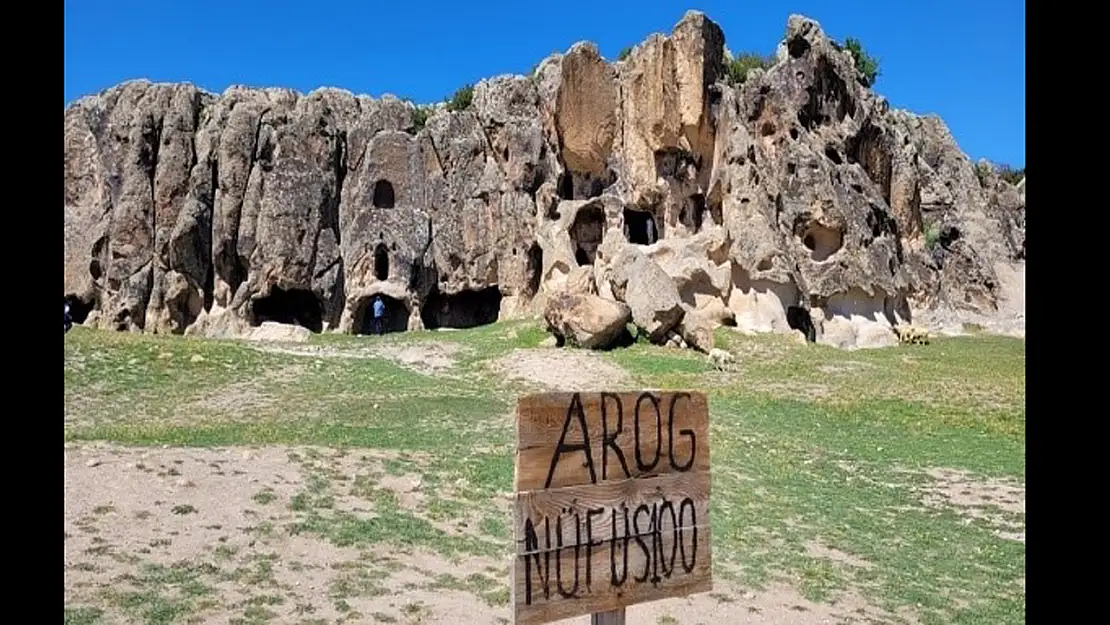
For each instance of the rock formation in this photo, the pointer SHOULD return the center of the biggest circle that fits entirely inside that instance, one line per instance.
(797, 201)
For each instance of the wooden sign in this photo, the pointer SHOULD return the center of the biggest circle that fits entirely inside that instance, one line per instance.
(612, 502)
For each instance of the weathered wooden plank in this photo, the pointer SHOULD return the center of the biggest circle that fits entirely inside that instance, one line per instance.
(570, 439)
(561, 584)
(596, 513)
(612, 505)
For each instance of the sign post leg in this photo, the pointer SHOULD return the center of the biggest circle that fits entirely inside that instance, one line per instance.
(615, 617)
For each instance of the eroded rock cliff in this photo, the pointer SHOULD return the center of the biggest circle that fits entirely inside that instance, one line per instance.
(796, 201)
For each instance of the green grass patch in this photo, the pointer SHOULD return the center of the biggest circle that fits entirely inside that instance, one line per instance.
(810, 444)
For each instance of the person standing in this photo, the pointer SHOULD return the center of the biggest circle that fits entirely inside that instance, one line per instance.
(379, 314)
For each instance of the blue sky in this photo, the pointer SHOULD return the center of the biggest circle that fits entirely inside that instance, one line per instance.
(962, 60)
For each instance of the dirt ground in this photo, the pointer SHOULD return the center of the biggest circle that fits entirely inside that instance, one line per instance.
(201, 531)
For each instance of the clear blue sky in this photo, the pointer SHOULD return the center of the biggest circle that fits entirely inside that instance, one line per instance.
(963, 60)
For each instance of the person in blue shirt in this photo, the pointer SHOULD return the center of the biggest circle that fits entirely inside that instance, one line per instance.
(69, 320)
(379, 314)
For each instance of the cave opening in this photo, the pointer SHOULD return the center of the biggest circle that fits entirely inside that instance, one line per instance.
(79, 309)
(294, 306)
(948, 236)
(586, 233)
(639, 227)
(396, 315)
(798, 319)
(695, 205)
(465, 309)
(822, 242)
(381, 262)
(533, 270)
(383, 194)
(566, 186)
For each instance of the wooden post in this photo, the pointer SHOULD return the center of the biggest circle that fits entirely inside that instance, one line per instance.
(616, 617)
(612, 503)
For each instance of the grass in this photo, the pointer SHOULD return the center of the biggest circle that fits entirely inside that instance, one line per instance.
(811, 445)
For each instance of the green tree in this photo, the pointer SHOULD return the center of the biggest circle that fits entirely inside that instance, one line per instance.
(739, 67)
(867, 65)
(624, 53)
(462, 99)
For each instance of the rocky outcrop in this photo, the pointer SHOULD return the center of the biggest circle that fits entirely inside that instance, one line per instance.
(797, 201)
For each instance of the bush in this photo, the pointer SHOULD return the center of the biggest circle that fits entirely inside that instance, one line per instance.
(739, 67)
(1002, 170)
(1009, 174)
(463, 98)
(932, 237)
(420, 117)
(867, 65)
(624, 53)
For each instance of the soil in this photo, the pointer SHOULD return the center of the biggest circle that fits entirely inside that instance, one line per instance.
(219, 519)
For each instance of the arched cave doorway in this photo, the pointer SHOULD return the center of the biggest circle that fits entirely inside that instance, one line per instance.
(586, 233)
(381, 262)
(639, 227)
(798, 319)
(465, 309)
(396, 315)
(79, 309)
(383, 194)
(533, 270)
(295, 306)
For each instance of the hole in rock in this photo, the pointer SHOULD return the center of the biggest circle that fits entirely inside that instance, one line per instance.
(767, 129)
(948, 236)
(798, 319)
(797, 46)
(586, 233)
(295, 306)
(566, 186)
(822, 242)
(639, 227)
(381, 262)
(383, 194)
(79, 309)
(793, 133)
(94, 269)
(791, 168)
(832, 154)
(209, 287)
(396, 315)
(534, 269)
(696, 212)
(716, 210)
(465, 309)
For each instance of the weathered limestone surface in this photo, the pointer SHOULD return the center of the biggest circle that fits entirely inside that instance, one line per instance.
(797, 201)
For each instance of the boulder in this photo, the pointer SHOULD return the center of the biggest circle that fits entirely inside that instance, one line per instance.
(649, 292)
(586, 321)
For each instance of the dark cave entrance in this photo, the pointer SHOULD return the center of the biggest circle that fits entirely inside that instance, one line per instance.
(383, 194)
(692, 214)
(396, 315)
(533, 271)
(79, 309)
(798, 319)
(465, 309)
(586, 233)
(639, 227)
(295, 306)
(381, 262)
